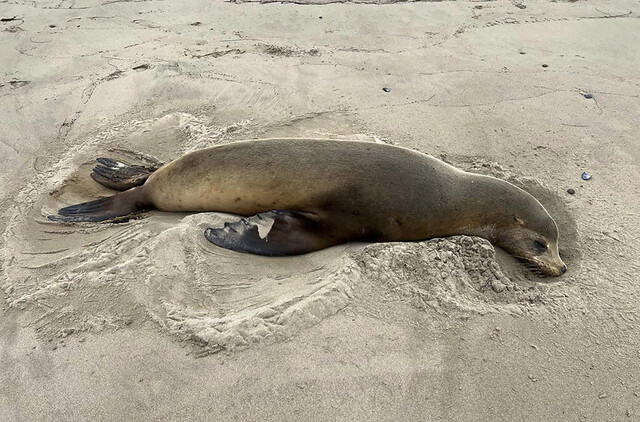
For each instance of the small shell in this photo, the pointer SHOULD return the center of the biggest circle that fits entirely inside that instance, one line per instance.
(586, 176)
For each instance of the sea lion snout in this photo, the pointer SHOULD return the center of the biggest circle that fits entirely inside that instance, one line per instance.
(550, 263)
(554, 267)
(560, 270)
(556, 262)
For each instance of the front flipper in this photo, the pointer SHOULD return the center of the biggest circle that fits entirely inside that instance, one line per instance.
(275, 233)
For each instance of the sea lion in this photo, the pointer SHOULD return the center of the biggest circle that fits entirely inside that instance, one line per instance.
(302, 195)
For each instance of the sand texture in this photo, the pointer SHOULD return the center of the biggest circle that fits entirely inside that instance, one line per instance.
(147, 320)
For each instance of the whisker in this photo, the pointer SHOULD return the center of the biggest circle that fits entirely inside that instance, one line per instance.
(531, 265)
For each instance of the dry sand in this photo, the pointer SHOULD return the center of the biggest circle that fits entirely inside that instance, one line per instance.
(147, 320)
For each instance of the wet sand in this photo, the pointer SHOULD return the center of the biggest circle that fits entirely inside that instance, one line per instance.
(146, 319)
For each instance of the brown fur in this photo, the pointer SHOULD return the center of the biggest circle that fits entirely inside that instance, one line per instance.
(360, 191)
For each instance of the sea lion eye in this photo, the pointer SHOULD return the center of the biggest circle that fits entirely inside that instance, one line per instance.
(541, 246)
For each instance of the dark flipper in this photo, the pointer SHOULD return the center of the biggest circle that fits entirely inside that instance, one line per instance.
(113, 207)
(275, 233)
(120, 176)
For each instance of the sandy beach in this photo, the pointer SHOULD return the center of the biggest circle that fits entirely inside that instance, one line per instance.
(146, 320)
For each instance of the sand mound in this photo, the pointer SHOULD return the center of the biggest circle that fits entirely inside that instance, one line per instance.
(459, 272)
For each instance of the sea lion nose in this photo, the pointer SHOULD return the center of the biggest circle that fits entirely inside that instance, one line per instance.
(563, 269)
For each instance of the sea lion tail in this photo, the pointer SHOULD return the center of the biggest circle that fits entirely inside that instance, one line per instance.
(118, 207)
(121, 176)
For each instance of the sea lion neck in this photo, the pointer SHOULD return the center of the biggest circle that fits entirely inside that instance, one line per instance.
(484, 206)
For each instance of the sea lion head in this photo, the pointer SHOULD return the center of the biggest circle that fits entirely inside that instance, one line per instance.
(514, 220)
(531, 235)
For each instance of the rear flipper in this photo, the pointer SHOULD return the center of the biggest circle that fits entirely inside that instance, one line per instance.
(276, 233)
(120, 205)
(120, 176)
